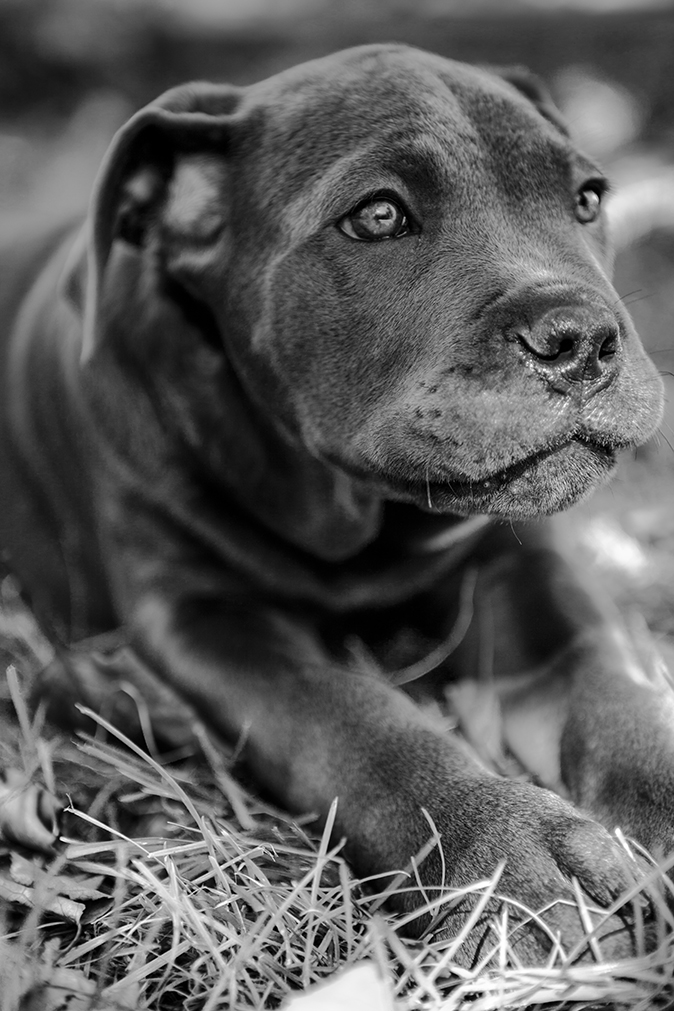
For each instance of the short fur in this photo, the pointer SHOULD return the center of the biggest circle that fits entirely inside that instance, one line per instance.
(254, 439)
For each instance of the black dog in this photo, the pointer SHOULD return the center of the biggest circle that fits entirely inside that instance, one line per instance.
(319, 335)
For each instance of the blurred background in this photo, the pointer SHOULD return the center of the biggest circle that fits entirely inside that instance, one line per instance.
(71, 71)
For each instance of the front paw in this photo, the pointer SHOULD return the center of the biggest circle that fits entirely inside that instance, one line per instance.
(557, 864)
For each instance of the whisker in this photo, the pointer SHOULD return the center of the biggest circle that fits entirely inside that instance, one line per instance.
(661, 433)
(514, 532)
(642, 298)
(428, 489)
(621, 298)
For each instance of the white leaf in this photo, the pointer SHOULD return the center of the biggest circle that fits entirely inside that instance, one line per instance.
(357, 989)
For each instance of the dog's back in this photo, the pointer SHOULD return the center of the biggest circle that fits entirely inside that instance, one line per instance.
(46, 527)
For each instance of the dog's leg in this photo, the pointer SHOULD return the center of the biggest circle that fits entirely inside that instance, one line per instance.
(580, 710)
(312, 731)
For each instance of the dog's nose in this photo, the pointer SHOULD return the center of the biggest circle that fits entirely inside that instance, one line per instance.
(571, 344)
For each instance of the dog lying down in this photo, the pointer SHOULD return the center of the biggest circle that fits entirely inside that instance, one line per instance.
(323, 354)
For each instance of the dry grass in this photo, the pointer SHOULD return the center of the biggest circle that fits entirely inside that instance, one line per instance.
(174, 887)
(176, 904)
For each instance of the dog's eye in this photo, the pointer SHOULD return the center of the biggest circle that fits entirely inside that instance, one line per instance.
(588, 203)
(379, 218)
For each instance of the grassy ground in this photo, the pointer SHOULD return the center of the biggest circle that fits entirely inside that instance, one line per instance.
(174, 888)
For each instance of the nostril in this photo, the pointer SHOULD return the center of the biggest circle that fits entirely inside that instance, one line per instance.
(549, 346)
(609, 346)
(567, 346)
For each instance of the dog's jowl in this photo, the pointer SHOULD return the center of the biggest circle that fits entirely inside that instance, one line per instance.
(317, 340)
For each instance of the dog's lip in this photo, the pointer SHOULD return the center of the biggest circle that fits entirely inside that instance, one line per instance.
(437, 492)
(465, 487)
(463, 495)
(480, 489)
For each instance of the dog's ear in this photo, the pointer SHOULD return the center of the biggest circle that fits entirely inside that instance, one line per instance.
(533, 88)
(165, 167)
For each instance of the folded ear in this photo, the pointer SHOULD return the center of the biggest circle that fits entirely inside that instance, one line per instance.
(166, 167)
(534, 89)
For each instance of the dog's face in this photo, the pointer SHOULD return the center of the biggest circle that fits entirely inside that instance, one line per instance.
(406, 257)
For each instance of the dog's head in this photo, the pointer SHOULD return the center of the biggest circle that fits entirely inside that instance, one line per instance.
(404, 260)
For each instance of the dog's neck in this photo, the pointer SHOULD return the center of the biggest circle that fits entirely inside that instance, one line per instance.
(316, 507)
(305, 502)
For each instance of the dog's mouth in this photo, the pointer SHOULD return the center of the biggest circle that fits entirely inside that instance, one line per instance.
(544, 482)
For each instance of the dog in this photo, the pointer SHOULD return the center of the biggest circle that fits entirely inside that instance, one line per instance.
(290, 409)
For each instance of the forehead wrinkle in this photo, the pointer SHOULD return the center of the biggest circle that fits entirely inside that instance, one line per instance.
(353, 176)
(522, 150)
(430, 161)
(436, 131)
(328, 196)
(389, 101)
(514, 137)
(429, 153)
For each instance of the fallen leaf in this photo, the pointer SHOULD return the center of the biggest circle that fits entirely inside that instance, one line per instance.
(79, 887)
(358, 989)
(29, 814)
(42, 898)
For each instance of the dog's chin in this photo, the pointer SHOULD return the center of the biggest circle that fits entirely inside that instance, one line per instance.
(544, 483)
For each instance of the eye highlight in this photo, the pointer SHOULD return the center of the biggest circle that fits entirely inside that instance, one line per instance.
(375, 219)
(588, 202)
